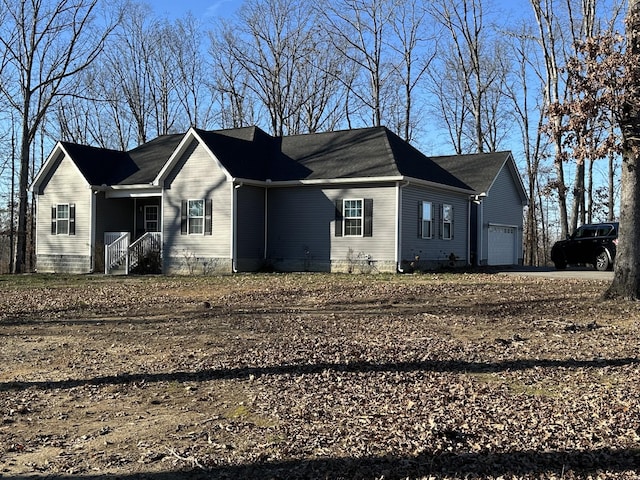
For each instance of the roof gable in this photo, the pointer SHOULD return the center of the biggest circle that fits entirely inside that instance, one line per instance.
(480, 170)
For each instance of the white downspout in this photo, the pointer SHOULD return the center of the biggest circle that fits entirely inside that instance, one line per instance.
(469, 231)
(92, 228)
(266, 221)
(234, 227)
(399, 188)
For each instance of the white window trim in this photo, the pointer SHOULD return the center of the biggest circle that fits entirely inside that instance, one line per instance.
(450, 221)
(427, 235)
(345, 218)
(148, 208)
(67, 220)
(190, 217)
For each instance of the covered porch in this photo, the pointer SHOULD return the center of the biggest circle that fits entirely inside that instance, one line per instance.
(128, 233)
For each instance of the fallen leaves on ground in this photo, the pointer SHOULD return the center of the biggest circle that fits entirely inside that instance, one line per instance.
(435, 376)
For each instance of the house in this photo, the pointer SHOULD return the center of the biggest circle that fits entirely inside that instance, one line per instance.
(242, 200)
(496, 221)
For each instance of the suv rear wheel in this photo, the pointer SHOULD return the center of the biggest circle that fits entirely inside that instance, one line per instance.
(560, 264)
(603, 263)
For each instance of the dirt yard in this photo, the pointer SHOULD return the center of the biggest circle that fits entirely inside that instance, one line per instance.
(317, 376)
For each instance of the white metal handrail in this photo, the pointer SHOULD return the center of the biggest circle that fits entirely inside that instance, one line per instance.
(148, 243)
(116, 250)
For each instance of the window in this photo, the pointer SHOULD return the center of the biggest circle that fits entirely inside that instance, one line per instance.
(63, 219)
(353, 218)
(447, 222)
(151, 218)
(426, 220)
(196, 217)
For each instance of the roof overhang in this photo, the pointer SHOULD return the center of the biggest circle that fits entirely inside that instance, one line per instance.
(129, 191)
(352, 181)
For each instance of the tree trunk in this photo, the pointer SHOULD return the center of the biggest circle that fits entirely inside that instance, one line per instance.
(23, 199)
(626, 279)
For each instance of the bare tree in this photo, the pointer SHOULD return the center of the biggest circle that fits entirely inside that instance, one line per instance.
(359, 30)
(551, 45)
(46, 43)
(416, 50)
(271, 41)
(473, 53)
(129, 58)
(229, 81)
(528, 112)
(189, 64)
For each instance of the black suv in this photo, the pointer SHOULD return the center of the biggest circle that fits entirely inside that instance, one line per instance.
(594, 244)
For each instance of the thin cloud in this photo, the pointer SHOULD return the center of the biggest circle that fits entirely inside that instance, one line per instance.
(217, 9)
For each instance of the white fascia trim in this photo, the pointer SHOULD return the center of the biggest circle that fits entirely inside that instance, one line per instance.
(427, 183)
(130, 191)
(328, 181)
(358, 180)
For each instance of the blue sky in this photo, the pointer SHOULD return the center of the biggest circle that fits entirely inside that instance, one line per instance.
(200, 8)
(225, 8)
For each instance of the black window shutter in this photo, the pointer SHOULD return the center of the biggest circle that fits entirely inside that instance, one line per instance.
(451, 221)
(368, 217)
(420, 223)
(208, 216)
(72, 219)
(339, 216)
(54, 223)
(183, 218)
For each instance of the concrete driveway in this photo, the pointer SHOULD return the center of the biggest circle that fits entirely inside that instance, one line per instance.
(584, 273)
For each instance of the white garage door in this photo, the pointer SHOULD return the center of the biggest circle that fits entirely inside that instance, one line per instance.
(502, 245)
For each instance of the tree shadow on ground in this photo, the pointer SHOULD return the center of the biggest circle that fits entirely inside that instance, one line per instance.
(519, 464)
(437, 366)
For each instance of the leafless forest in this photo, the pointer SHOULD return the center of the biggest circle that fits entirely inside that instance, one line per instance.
(449, 75)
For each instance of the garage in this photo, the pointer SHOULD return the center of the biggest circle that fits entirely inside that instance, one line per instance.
(502, 245)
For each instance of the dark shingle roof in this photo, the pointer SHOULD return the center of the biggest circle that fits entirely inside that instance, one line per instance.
(359, 153)
(101, 166)
(244, 152)
(250, 153)
(150, 157)
(476, 170)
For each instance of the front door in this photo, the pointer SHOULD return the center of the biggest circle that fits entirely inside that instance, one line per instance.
(151, 218)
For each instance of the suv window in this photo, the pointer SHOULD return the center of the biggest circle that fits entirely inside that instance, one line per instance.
(584, 232)
(605, 231)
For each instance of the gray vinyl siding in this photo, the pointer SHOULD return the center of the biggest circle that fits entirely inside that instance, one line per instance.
(250, 228)
(196, 176)
(434, 251)
(113, 215)
(503, 206)
(301, 232)
(64, 253)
